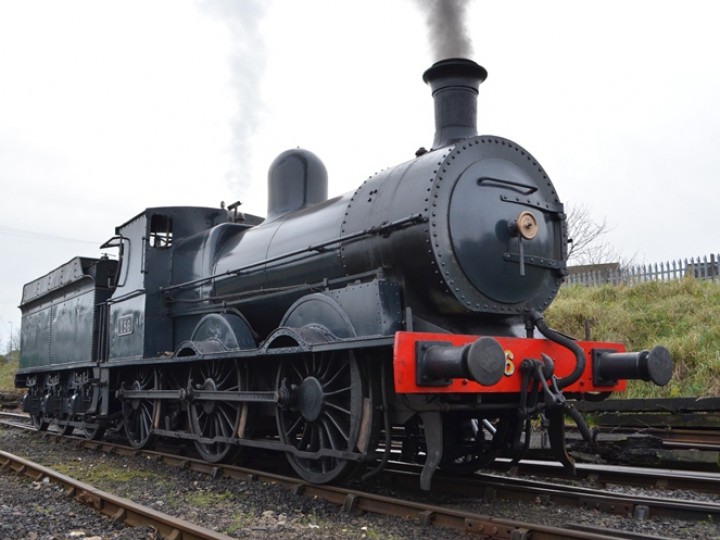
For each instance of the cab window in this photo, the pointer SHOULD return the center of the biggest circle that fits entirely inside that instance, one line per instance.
(160, 231)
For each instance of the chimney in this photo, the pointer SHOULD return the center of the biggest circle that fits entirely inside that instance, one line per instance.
(454, 83)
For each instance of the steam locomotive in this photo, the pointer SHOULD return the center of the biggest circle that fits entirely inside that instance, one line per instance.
(404, 317)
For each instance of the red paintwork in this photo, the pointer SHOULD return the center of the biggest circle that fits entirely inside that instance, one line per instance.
(519, 348)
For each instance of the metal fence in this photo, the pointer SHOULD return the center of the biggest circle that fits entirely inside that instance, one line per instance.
(707, 267)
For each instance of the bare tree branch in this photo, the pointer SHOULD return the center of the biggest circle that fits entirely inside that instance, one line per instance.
(587, 237)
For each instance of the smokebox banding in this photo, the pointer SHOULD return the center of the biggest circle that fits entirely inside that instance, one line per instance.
(446, 24)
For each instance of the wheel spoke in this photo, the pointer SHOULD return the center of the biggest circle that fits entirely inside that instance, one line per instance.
(339, 391)
(305, 437)
(335, 376)
(324, 367)
(329, 418)
(296, 426)
(225, 422)
(343, 410)
(331, 435)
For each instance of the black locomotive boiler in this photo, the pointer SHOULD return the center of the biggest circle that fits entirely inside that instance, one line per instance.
(405, 316)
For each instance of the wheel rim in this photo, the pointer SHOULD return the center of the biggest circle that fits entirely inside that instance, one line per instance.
(324, 411)
(139, 414)
(94, 433)
(38, 423)
(215, 419)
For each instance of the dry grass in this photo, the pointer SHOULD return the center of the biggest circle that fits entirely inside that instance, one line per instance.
(8, 367)
(682, 315)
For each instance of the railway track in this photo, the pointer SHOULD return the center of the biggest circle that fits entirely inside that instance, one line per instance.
(117, 508)
(483, 487)
(595, 475)
(678, 422)
(706, 439)
(617, 475)
(172, 528)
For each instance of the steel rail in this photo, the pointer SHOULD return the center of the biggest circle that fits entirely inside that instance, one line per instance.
(16, 416)
(493, 487)
(490, 487)
(603, 475)
(117, 508)
(681, 435)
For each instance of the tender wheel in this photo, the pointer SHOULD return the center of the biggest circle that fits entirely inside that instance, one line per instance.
(94, 432)
(65, 428)
(139, 414)
(324, 411)
(211, 418)
(39, 422)
(472, 444)
(37, 417)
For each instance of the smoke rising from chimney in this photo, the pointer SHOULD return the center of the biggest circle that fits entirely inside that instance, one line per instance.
(247, 63)
(446, 24)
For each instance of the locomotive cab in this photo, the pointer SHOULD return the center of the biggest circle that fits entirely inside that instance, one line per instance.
(138, 325)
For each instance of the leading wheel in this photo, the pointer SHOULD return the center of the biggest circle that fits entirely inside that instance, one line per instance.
(139, 414)
(215, 421)
(473, 443)
(39, 422)
(37, 417)
(323, 414)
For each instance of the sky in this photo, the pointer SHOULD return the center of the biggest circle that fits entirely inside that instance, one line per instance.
(110, 107)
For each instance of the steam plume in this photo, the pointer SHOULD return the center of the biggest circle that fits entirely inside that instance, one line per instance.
(446, 23)
(247, 61)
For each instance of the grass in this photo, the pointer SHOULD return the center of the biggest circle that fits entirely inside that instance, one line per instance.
(105, 476)
(8, 367)
(682, 315)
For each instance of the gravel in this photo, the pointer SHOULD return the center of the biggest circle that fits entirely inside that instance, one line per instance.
(39, 510)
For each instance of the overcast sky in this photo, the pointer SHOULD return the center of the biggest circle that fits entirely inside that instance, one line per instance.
(109, 107)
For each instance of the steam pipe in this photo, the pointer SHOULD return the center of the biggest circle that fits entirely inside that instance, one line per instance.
(569, 343)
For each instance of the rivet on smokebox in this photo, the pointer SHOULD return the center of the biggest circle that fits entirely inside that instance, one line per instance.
(509, 365)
